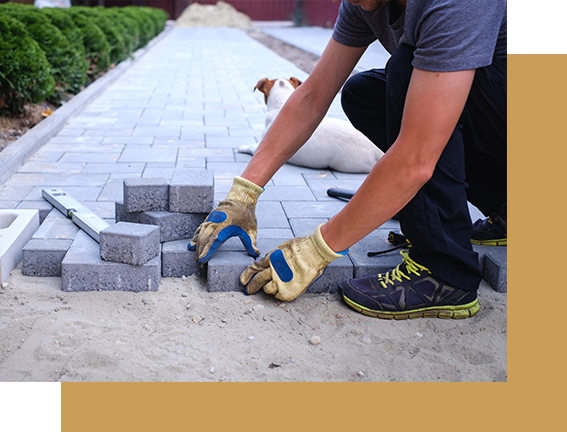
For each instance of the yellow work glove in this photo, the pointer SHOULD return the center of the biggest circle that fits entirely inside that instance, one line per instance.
(291, 268)
(234, 217)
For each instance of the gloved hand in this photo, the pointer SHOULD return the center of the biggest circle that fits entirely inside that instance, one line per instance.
(291, 268)
(235, 216)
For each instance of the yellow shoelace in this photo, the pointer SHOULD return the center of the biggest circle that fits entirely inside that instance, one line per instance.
(397, 274)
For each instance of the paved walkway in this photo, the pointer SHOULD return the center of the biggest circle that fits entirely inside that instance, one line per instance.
(314, 40)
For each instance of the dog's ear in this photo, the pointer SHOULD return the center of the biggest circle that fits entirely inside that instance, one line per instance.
(295, 82)
(260, 84)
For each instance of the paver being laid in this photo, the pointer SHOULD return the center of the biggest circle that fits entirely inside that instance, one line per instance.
(146, 194)
(173, 226)
(177, 261)
(129, 243)
(191, 191)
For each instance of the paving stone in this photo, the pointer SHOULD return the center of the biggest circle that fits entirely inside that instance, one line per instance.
(102, 133)
(79, 193)
(337, 272)
(364, 265)
(191, 191)
(173, 226)
(129, 243)
(83, 269)
(273, 233)
(191, 163)
(43, 254)
(106, 168)
(158, 172)
(177, 260)
(225, 268)
(56, 226)
(494, 264)
(298, 209)
(43, 257)
(304, 226)
(100, 157)
(4, 204)
(288, 193)
(104, 209)
(120, 213)
(146, 194)
(146, 153)
(270, 214)
(42, 206)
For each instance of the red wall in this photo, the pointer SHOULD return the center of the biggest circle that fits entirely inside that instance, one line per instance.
(322, 13)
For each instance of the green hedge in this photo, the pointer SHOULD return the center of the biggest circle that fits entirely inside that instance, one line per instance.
(63, 21)
(24, 69)
(97, 48)
(59, 52)
(109, 29)
(67, 48)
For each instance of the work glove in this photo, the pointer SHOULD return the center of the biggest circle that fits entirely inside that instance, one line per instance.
(234, 217)
(291, 268)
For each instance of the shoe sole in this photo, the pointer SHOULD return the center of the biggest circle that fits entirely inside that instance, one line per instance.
(495, 242)
(445, 312)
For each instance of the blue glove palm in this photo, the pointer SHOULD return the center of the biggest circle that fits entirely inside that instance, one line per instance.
(291, 268)
(234, 217)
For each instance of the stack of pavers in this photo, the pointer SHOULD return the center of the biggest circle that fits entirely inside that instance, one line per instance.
(149, 239)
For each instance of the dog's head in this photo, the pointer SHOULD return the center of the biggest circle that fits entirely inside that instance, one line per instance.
(283, 86)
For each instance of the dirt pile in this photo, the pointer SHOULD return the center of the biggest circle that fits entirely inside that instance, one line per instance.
(220, 15)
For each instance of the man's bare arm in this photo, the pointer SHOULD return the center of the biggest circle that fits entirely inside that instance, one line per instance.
(434, 103)
(303, 112)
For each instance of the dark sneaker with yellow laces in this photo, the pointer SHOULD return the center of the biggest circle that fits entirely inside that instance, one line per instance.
(492, 231)
(408, 291)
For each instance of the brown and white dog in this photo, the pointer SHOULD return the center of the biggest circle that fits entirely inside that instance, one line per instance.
(335, 144)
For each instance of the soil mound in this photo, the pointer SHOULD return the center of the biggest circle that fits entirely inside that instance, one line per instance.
(220, 15)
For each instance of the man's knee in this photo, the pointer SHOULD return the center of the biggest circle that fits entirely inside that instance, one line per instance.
(363, 89)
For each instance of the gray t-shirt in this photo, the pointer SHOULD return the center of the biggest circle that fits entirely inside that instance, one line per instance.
(449, 35)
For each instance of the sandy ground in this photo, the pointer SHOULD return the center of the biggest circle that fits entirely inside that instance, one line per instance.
(183, 333)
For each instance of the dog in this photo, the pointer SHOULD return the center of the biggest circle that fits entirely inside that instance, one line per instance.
(335, 144)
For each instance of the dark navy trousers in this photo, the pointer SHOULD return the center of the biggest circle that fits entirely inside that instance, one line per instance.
(472, 166)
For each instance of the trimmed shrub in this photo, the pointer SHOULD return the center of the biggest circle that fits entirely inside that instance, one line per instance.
(24, 69)
(160, 17)
(59, 52)
(129, 28)
(45, 53)
(147, 25)
(97, 48)
(109, 28)
(63, 21)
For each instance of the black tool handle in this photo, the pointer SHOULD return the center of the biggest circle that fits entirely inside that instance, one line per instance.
(340, 193)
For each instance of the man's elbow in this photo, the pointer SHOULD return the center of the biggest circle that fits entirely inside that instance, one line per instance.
(419, 174)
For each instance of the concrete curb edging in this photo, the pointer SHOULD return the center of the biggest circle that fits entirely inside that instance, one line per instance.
(17, 153)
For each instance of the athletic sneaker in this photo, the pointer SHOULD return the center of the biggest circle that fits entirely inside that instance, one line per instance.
(408, 291)
(492, 231)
